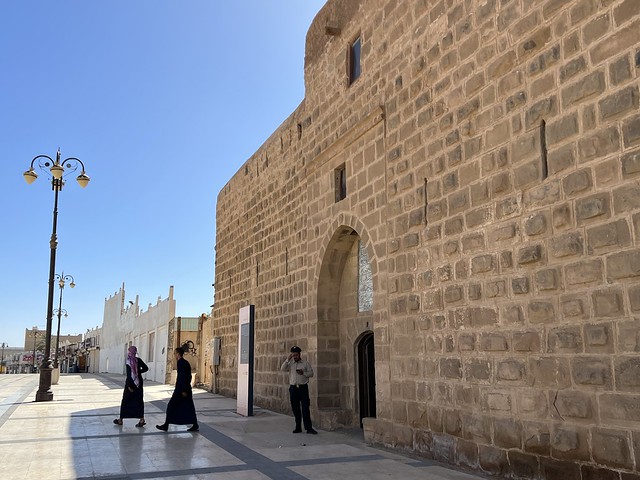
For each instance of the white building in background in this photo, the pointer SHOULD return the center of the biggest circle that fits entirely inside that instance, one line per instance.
(125, 324)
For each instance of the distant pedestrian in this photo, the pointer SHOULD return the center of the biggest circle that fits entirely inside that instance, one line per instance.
(181, 410)
(299, 373)
(132, 405)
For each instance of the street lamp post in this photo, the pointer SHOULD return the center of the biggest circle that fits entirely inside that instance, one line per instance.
(57, 170)
(59, 312)
(33, 367)
(34, 333)
(3, 369)
(62, 279)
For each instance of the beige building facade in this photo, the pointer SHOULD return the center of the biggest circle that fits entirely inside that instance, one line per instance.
(449, 227)
(193, 334)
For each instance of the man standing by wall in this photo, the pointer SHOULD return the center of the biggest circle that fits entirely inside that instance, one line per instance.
(299, 373)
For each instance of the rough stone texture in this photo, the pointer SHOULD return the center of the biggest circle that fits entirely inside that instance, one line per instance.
(612, 448)
(491, 156)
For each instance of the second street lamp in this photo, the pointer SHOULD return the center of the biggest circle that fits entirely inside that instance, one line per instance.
(59, 312)
(62, 280)
(56, 169)
(2, 369)
(35, 333)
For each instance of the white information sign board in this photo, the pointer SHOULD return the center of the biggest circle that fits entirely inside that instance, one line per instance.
(245, 361)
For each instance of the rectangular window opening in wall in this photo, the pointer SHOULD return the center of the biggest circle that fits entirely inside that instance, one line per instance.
(354, 60)
(543, 149)
(340, 182)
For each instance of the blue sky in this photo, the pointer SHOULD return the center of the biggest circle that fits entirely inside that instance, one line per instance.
(163, 101)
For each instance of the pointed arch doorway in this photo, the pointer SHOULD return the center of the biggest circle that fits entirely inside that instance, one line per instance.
(346, 348)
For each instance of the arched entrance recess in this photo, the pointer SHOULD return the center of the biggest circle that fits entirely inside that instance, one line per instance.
(341, 326)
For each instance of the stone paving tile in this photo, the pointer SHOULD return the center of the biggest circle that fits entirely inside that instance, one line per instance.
(73, 437)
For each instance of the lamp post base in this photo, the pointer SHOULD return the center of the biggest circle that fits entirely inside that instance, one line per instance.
(44, 393)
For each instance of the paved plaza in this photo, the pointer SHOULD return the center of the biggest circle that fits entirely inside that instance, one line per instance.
(73, 437)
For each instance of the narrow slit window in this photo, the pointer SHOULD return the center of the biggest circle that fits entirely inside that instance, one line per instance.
(426, 201)
(354, 60)
(340, 181)
(543, 149)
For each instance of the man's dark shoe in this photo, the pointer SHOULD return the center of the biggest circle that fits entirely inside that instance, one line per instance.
(312, 431)
(164, 427)
(297, 430)
(194, 428)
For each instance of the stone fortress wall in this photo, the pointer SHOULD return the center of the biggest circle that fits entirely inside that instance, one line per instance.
(492, 158)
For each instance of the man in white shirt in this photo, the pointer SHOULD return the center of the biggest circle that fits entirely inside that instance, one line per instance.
(299, 373)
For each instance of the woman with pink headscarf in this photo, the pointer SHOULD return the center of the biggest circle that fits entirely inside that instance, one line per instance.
(132, 405)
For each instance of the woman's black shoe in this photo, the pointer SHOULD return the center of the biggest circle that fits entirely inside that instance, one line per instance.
(164, 427)
(194, 428)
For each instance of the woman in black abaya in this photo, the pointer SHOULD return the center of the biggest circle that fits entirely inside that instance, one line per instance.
(132, 405)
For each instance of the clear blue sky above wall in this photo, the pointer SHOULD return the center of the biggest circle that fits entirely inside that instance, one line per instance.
(163, 101)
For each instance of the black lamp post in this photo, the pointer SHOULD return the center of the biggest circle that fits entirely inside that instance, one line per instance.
(62, 280)
(59, 312)
(2, 361)
(57, 170)
(35, 333)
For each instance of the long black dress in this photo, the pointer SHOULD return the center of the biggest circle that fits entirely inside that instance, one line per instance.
(181, 410)
(132, 405)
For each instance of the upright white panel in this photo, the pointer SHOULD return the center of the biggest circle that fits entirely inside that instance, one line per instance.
(245, 361)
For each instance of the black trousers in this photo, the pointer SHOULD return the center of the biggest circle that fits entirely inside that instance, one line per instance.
(300, 402)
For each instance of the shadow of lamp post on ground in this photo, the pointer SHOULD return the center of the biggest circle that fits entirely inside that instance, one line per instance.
(56, 169)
